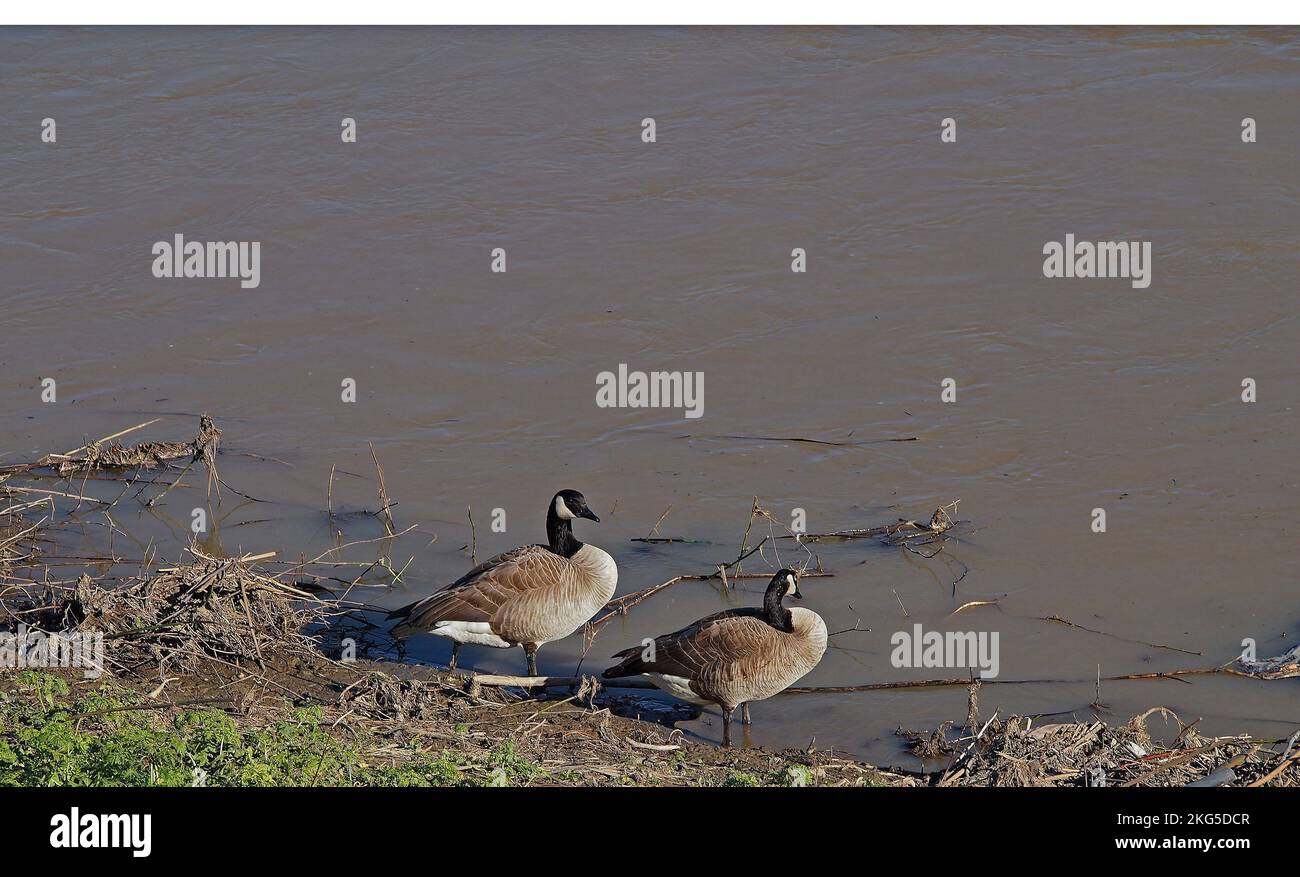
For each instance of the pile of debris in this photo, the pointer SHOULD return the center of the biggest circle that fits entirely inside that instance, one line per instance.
(1016, 752)
(108, 453)
(202, 619)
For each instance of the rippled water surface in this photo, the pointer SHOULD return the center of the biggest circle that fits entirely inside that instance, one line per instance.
(924, 263)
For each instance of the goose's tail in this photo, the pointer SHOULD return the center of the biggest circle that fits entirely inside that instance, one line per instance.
(631, 665)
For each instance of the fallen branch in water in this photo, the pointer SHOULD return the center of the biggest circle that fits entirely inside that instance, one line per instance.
(108, 453)
(627, 601)
(42, 492)
(1059, 620)
(811, 441)
(548, 681)
(945, 683)
(899, 532)
(654, 531)
(621, 605)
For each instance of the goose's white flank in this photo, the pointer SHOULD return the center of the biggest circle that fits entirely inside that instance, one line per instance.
(525, 597)
(732, 658)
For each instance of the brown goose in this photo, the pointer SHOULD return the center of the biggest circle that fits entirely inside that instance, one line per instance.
(527, 596)
(733, 657)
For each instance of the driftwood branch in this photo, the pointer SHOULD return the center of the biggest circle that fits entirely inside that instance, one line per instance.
(108, 453)
(941, 521)
(621, 605)
(945, 683)
(1059, 620)
(548, 681)
(800, 439)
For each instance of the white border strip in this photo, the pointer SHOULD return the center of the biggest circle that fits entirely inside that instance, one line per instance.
(658, 12)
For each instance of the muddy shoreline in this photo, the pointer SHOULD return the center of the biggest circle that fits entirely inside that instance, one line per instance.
(258, 651)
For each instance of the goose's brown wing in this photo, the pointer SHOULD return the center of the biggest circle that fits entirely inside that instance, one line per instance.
(503, 557)
(488, 591)
(709, 649)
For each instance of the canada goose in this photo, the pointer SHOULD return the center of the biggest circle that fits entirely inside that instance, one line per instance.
(733, 657)
(527, 596)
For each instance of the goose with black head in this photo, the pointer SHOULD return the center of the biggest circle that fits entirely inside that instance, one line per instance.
(734, 657)
(525, 597)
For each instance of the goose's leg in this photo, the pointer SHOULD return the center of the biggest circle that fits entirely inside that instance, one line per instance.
(455, 650)
(530, 650)
(726, 725)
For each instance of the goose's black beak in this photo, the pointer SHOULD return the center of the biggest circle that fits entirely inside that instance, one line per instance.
(798, 595)
(588, 514)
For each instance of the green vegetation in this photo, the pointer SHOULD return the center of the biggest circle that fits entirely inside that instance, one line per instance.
(111, 736)
(56, 730)
(334, 723)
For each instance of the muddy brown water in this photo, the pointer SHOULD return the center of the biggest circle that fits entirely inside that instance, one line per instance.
(924, 263)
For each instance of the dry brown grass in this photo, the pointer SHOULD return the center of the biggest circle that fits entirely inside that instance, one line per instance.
(224, 632)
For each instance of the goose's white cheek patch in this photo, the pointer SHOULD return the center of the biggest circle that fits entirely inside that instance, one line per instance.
(562, 510)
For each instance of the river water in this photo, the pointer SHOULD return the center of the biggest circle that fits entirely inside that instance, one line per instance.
(924, 262)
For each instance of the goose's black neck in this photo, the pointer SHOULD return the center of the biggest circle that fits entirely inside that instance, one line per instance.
(559, 534)
(773, 612)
